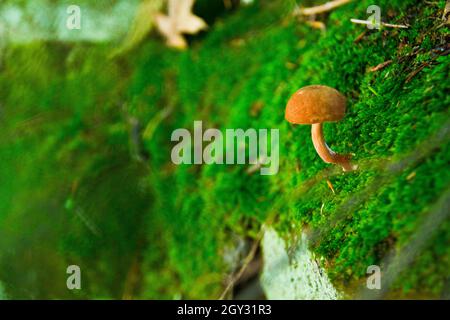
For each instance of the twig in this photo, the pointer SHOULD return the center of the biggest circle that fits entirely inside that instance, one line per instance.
(390, 25)
(247, 261)
(415, 72)
(380, 66)
(322, 8)
(360, 36)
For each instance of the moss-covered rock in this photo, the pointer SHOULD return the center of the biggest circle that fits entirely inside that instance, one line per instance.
(70, 123)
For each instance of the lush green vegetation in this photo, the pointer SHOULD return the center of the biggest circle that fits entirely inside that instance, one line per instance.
(79, 186)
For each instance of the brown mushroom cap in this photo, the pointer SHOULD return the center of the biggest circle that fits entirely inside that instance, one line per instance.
(315, 104)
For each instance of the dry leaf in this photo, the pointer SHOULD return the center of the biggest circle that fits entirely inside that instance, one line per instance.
(180, 20)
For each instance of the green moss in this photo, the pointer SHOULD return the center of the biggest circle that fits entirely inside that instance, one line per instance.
(222, 80)
(175, 221)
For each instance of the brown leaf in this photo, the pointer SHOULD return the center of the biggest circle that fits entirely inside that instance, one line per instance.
(179, 20)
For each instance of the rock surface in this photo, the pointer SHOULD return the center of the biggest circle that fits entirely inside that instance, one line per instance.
(298, 278)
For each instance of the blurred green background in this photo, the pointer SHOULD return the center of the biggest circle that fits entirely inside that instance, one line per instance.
(86, 176)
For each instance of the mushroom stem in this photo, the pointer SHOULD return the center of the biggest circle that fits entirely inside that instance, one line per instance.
(328, 155)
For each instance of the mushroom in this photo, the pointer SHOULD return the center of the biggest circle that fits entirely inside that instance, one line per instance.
(315, 105)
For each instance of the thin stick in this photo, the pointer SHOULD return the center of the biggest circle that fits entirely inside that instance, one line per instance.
(390, 25)
(360, 36)
(380, 66)
(366, 22)
(322, 8)
(247, 261)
